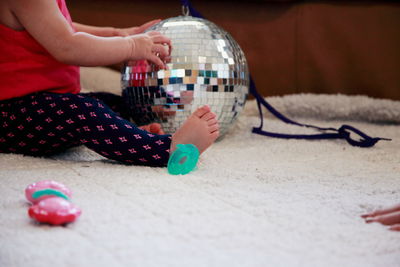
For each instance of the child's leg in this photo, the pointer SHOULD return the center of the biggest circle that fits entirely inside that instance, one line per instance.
(42, 124)
(118, 105)
(31, 125)
(115, 102)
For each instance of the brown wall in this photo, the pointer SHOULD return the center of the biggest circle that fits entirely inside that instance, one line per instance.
(292, 47)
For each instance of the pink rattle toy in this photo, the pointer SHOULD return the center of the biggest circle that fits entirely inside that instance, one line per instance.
(51, 203)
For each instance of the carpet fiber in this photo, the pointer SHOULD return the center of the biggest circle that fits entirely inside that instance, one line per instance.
(253, 201)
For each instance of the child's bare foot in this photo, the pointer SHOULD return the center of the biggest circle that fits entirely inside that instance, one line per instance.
(154, 128)
(200, 129)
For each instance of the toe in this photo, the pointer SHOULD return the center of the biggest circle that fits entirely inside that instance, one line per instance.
(212, 122)
(209, 116)
(201, 111)
(215, 134)
(155, 128)
(213, 128)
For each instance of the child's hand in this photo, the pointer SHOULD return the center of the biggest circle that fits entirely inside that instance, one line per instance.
(152, 46)
(135, 30)
(388, 216)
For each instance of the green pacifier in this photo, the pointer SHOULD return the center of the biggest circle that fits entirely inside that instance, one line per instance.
(183, 160)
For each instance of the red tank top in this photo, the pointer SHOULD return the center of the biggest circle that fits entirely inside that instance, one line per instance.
(26, 67)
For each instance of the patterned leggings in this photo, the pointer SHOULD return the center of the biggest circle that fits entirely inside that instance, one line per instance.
(46, 123)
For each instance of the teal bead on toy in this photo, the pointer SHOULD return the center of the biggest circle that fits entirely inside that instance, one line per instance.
(184, 159)
(49, 192)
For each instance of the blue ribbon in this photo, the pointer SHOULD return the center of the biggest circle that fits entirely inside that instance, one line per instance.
(344, 132)
(192, 11)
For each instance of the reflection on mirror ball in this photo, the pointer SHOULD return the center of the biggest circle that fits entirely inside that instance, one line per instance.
(207, 67)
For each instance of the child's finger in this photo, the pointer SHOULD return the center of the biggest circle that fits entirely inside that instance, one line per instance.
(153, 33)
(167, 59)
(160, 50)
(395, 227)
(382, 211)
(147, 25)
(156, 60)
(386, 219)
(161, 39)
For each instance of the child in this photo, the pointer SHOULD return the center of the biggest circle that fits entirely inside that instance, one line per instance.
(41, 109)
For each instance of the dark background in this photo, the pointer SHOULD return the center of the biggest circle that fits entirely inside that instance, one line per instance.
(350, 47)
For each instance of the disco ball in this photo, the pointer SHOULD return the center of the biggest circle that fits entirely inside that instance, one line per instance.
(207, 67)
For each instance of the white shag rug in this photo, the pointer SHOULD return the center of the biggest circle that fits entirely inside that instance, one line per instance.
(254, 201)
